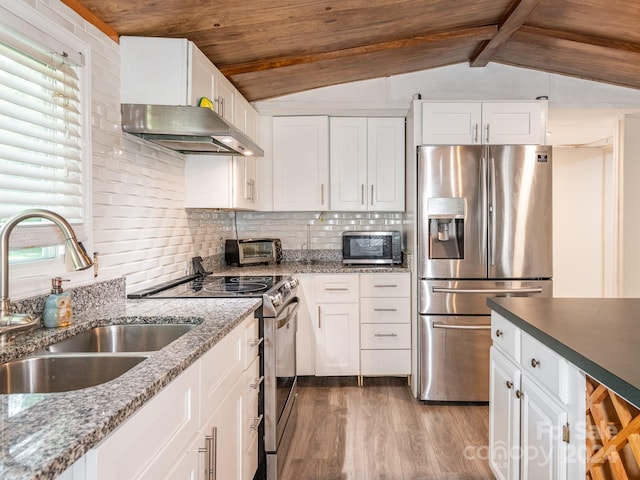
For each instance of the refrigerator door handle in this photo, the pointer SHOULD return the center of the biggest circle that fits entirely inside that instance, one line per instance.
(493, 232)
(461, 327)
(484, 205)
(486, 290)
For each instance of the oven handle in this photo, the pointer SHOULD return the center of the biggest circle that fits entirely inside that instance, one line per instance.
(286, 315)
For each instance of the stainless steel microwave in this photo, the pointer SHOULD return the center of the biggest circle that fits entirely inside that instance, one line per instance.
(252, 251)
(372, 248)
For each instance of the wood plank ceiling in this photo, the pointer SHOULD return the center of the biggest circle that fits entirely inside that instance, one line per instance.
(269, 48)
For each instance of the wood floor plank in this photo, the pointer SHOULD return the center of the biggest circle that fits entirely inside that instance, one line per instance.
(380, 432)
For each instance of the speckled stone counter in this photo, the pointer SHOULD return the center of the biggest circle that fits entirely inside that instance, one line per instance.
(601, 336)
(43, 434)
(294, 268)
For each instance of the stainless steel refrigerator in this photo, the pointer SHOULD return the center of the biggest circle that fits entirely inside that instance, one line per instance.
(484, 229)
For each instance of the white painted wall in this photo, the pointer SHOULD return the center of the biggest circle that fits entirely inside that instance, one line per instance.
(629, 246)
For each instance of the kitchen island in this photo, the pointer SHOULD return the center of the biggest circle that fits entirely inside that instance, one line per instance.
(600, 336)
(564, 387)
(42, 435)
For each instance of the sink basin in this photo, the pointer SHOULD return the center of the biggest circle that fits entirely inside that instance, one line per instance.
(123, 338)
(46, 374)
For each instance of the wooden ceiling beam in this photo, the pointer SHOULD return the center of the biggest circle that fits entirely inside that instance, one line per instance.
(478, 33)
(514, 19)
(582, 39)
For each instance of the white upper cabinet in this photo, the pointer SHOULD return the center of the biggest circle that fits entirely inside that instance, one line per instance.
(301, 163)
(470, 123)
(173, 71)
(367, 163)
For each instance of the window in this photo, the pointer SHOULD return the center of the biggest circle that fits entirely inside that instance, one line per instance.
(45, 152)
(41, 147)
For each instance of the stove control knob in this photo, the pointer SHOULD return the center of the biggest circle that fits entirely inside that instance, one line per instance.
(276, 299)
(294, 282)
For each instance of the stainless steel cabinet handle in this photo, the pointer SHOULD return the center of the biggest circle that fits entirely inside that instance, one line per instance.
(214, 453)
(322, 194)
(486, 290)
(461, 327)
(385, 309)
(475, 133)
(256, 382)
(372, 194)
(487, 138)
(509, 384)
(362, 194)
(534, 362)
(256, 341)
(336, 289)
(519, 394)
(256, 422)
(499, 333)
(319, 316)
(385, 335)
(390, 285)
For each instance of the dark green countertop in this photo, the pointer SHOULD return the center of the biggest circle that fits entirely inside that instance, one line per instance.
(601, 336)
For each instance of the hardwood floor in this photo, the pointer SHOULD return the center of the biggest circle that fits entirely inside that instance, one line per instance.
(380, 431)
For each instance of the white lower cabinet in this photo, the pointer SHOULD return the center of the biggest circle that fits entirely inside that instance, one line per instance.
(354, 324)
(206, 419)
(536, 409)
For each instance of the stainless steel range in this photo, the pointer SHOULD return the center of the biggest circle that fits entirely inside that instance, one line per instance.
(278, 327)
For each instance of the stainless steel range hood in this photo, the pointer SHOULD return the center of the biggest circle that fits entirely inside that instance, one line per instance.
(194, 130)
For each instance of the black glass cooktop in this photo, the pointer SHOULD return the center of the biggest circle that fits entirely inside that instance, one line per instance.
(215, 286)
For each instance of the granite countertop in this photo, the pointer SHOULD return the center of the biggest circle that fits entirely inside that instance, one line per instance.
(43, 434)
(598, 335)
(320, 267)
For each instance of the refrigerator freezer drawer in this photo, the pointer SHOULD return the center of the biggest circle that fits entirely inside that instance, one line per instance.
(454, 358)
(469, 297)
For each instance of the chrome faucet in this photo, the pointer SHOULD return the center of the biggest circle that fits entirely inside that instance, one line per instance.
(15, 322)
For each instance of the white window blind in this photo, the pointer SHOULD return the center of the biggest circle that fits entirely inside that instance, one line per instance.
(40, 129)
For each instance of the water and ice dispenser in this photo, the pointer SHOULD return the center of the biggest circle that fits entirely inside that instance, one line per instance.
(446, 227)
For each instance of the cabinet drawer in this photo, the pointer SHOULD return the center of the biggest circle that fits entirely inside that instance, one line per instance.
(545, 365)
(336, 288)
(385, 285)
(385, 335)
(385, 310)
(505, 336)
(251, 341)
(252, 384)
(385, 362)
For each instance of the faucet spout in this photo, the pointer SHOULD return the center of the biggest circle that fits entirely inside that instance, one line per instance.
(14, 322)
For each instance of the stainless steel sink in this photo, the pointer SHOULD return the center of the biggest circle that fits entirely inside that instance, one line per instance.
(46, 374)
(123, 338)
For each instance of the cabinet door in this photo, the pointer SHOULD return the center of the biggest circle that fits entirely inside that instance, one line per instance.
(208, 182)
(385, 154)
(244, 182)
(337, 339)
(224, 97)
(144, 447)
(504, 417)
(300, 163)
(348, 163)
(305, 338)
(226, 427)
(512, 123)
(451, 123)
(544, 453)
(154, 70)
(202, 72)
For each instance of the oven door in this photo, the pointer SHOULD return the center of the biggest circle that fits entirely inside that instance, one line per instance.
(280, 373)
